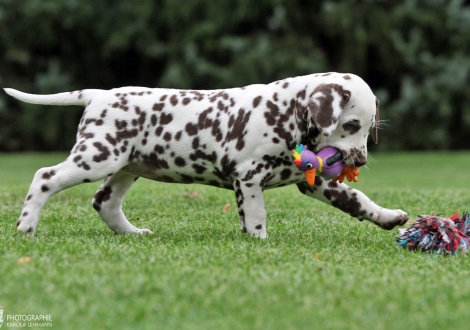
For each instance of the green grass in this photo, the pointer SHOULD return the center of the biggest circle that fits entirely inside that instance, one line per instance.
(319, 268)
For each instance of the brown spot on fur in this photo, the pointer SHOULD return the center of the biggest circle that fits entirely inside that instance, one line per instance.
(238, 127)
(85, 166)
(191, 129)
(285, 174)
(48, 175)
(343, 201)
(166, 118)
(120, 124)
(174, 100)
(158, 106)
(272, 114)
(256, 101)
(104, 152)
(167, 136)
(153, 120)
(180, 162)
(178, 135)
(195, 143)
(301, 94)
(141, 119)
(126, 134)
(204, 121)
(159, 149)
(87, 135)
(110, 139)
(101, 197)
(159, 131)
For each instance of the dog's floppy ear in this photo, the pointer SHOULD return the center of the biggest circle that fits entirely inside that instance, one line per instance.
(375, 128)
(325, 106)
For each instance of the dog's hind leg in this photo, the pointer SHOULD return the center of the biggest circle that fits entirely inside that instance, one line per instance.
(47, 181)
(108, 202)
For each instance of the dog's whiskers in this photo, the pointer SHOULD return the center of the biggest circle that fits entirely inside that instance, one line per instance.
(383, 122)
(371, 159)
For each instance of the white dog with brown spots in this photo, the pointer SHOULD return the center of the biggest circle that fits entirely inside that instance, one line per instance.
(240, 139)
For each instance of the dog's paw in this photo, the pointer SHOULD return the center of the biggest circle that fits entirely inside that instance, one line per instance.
(256, 233)
(25, 227)
(392, 218)
(142, 231)
(260, 235)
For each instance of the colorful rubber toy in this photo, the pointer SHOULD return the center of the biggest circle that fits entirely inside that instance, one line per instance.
(328, 163)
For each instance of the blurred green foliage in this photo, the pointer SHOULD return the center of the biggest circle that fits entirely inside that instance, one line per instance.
(414, 54)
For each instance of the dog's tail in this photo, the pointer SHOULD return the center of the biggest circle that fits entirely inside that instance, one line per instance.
(82, 97)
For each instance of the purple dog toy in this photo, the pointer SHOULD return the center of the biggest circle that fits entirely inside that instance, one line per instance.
(327, 162)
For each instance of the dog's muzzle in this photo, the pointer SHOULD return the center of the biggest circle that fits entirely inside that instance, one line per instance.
(354, 158)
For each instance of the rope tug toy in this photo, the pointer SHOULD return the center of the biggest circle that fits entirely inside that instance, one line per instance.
(436, 234)
(328, 162)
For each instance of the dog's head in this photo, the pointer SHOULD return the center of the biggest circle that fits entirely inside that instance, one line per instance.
(341, 113)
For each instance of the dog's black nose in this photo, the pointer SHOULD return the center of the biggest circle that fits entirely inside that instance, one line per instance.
(360, 161)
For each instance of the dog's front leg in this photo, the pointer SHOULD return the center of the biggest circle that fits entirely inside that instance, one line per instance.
(353, 202)
(250, 200)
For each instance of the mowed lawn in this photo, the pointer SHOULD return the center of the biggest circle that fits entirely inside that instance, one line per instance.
(319, 268)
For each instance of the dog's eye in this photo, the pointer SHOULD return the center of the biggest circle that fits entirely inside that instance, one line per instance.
(352, 126)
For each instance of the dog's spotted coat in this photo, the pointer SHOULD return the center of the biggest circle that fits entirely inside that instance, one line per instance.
(239, 139)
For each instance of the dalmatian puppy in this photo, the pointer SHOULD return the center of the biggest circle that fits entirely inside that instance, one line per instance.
(239, 139)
